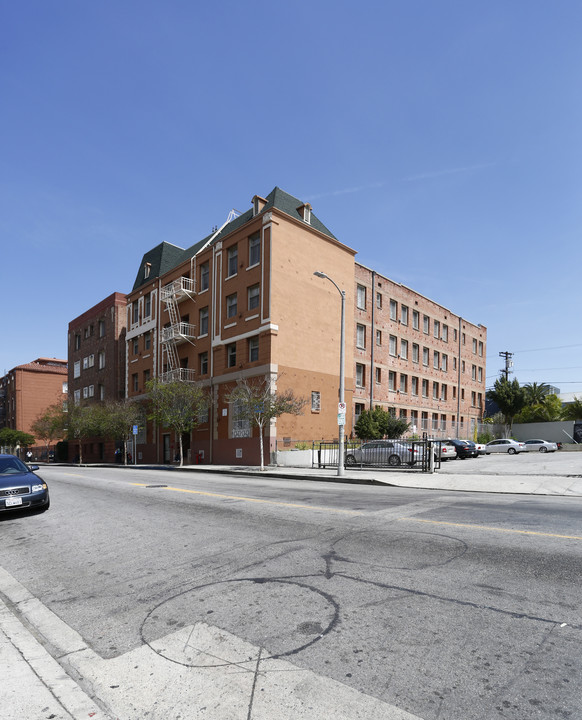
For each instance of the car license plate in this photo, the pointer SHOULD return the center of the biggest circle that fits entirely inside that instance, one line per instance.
(11, 501)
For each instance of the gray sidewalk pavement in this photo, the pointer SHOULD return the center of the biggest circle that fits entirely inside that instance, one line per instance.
(37, 686)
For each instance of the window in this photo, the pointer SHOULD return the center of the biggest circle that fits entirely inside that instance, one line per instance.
(77, 341)
(231, 355)
(444, 362)
(232, 260)
(454, 363)
(204, 321)
(231, 306)
(101, 388)
(241, 427)
(147, 305)
(147, 341)
(403, 383)
(101, 328)
(361, 297)
(480, 374)
(146, 377)
(480, 349)
(135, 311)
(392, 380)
(435, 390)
(446, 333)
(436, 329)
(425, 388)
(253, 349)
(474, 346)
(135, 346)
(65, 387)
(425, 324)
(147, 268)
(77, 397)
(443, 392)
(203, 363)
(253, 297)
(360, 375)
(393, 310)
(404, 314)
(415, 320)
(85, 363)
(135, 382)
(425, 356)
(379, 300)
(204, 276)
(473, 372)
(462, 366)
(462, 393)
(455, 334)
(436, 360)
(378, 375)
(101, 359)
(404, 349)
(378, 337)
(358, 407)
(479, 399)
(415, 353)
(315, 401)
(77, 369)
(473, 399)
(360, 336)
(254, 249)
(463, 338)
(393, 345)
(414, 385)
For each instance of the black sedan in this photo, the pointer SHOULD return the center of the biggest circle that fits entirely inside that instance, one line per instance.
(20, 488)
(465, 448)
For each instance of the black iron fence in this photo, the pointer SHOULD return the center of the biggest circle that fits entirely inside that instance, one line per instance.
(409, 455)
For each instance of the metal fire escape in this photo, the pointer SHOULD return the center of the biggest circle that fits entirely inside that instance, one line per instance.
(177, 332)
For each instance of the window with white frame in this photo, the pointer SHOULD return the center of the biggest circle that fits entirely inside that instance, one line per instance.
(77, 397)
(436, 329)
(480, 349)
(360, 375)
(378, 375)
(444, 362)
(232, 263)
(231, 305)
(203, 321)
(392, 380)
(425, 353)
(85, 392)
(415, 320)
(393, 346)
(443, 392)
(378, 337)
(426, 324)
(315, 401)
(91, 390)
(254, 294)
(101, 359)
(445, 335)
(393, 310)
(480, 374)
(404, 349)
(435, 390)
(77, 369)
(403, 383)
(360, 336)
(379, 300)
(147, 305)
(414, 385)
(255, 249)
(474, 346)
(425, 388)
(204, 276)
(241, 425)
(473, 372)
(436, 360)
(415, 353)
(65, 387)
(404, 314)
(361, 297)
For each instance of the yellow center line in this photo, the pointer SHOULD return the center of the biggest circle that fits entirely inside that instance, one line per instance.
(494, 529)
(255, 500)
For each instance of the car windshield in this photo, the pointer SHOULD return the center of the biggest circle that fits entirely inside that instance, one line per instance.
(12, 466)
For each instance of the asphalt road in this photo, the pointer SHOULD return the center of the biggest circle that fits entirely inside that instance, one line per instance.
(446, 605)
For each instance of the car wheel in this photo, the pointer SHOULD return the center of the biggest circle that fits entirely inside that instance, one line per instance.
(394, 461)
(511, 451)
(543, 448)
(350, 461)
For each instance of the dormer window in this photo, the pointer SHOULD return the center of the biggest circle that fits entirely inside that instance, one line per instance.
(147, 270)
(258, 204)
(305, 212)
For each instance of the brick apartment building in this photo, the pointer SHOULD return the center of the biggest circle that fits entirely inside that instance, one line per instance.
(243, 302)
(416, 357)
(96, 352)
(28, 390)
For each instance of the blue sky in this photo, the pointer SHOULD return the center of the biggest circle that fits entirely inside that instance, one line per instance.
(442, 140)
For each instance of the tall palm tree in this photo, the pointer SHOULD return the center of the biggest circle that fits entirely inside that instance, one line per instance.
(536, 393)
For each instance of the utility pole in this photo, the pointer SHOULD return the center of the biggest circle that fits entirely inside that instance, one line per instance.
(508, 363)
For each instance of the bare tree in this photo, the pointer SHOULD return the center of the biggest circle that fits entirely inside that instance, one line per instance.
(258, 402)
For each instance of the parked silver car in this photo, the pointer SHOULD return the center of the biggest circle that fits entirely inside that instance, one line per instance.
(448, 450)
(542, 446)
(384, 452)
(505, 445)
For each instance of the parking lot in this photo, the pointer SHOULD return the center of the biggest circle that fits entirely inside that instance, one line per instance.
(561, 462)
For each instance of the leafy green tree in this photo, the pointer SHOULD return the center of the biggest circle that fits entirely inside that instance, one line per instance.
(257, 401)
(378, 423)
(49, 425)
(536, 393)
(573, 410)
(82, 421)
(549, 410)
(510, 399)
(13, 439)
(115, 420)
(176, 405)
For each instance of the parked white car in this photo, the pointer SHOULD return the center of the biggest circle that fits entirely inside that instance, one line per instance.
(481, 448)
(505, 445)
(542, 446)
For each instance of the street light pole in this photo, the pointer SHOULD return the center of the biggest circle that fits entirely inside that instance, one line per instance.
(341, 421)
